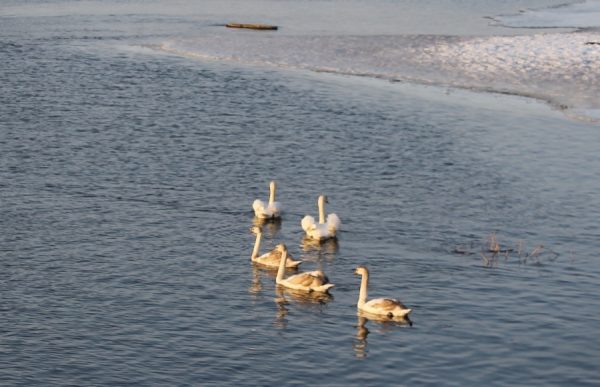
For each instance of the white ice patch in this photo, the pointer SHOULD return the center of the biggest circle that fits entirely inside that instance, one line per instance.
(562, 68)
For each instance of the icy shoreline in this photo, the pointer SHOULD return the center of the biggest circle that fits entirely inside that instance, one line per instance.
(581, 15)
(560, 68)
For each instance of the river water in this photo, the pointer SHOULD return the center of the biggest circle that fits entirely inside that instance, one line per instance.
(128, 171)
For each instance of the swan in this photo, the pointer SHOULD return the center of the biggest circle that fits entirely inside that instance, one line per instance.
(311, 281)
(272, 258)
(271, 210)
(380, 307)
(324, 229)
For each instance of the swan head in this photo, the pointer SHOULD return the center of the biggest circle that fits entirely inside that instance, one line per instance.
(361, 270)
(282, 247)
(322, 199)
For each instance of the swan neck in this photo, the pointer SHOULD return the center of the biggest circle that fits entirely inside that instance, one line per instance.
(321, 205)
(256, 246)
(281, 269)
(272, 193)
(364, 284)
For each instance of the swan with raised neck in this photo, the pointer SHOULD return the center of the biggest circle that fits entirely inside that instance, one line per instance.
(270, 210)
(327, 226)
(272, 258)
(321, 204)
(312, 281)
(380, 307)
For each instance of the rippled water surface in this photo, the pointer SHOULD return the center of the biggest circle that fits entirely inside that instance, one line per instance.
(126, 183)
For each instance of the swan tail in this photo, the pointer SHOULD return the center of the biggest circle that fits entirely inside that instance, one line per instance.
(308, 223)
(333, 222)
(324, 288)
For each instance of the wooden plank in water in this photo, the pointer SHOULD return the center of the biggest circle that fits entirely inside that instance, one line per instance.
(251, 26)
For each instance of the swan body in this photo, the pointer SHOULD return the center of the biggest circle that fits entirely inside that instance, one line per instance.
(270, 210)
(381, 307)
(272, 258)
(311, 281)
(326, 228)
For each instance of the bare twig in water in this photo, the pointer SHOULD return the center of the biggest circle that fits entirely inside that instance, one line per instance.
(536, 253)
(489, 261)
(491, 252)
(486, 260)
(493, 244)
(554, 256)
(462, 250)
(520, 245)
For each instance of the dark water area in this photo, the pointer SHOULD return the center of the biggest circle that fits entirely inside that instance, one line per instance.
(126, 184)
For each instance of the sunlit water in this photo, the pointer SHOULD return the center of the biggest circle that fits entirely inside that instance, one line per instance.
(126, 181)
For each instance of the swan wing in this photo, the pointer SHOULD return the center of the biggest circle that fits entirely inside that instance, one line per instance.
(305, 280)
(385, 305)
(319, 274)
(258, 206)
(273, 258)
(308, 223)
(333, 223)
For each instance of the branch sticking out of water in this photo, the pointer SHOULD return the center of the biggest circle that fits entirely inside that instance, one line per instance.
(491, 250)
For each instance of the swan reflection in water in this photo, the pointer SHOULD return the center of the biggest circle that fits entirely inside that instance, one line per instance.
(269, 226)
(259, 271)
(330, 246)
(359, 344)
(319, 251)
(256, 286)
(313, 302)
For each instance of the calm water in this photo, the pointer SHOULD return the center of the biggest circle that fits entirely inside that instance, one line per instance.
(126, 182)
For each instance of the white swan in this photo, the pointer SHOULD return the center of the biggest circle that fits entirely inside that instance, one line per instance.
(271, 210)
(273, 257)
(324, 229)
(380, 307)
(311, 281)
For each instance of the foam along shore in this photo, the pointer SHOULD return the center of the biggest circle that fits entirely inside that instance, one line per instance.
(252, 26)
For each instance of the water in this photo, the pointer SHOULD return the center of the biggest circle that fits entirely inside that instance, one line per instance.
(126, 181)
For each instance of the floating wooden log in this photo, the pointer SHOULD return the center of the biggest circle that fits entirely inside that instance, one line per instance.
(251, 26)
